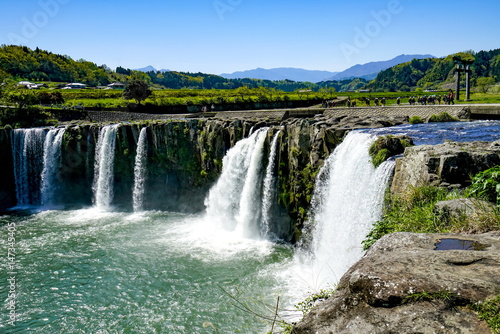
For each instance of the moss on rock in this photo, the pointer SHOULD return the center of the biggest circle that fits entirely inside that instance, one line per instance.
(388, 146)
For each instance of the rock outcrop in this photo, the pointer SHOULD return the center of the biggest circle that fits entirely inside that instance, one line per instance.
(405, 285)
(448, 165)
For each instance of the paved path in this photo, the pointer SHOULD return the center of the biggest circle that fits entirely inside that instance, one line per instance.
(473, 111)
(421, 111)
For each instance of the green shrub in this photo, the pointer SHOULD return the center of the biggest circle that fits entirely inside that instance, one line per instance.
(442, 117)
(29, 116)
(387, 146)
(381, 156)
(413, 212)
(486, 185)
(416, 120)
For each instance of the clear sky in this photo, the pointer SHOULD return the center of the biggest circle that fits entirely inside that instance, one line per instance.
(222, 36)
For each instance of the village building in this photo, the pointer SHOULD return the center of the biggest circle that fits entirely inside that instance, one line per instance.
(116, 85)
(75, 85)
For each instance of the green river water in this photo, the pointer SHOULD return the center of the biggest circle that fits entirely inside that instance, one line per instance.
(87, 271)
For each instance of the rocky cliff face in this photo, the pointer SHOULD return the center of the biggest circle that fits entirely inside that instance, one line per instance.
(7, 186)
(448, 165)
(184, 160)
(405, 284)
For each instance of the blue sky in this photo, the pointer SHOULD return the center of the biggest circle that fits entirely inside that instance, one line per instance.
(218, 36)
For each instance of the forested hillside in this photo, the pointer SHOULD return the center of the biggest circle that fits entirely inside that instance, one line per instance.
(37, 65)
(436, 73)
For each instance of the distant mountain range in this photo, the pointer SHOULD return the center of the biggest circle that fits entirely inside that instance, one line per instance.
(370, 70)
(151, 69)
(366, 71)
(281, 73)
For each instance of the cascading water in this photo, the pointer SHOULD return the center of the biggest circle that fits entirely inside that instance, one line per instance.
(269, 193)
(233, 204)
(27, 148)
(250, 204)
(51, 165)
(347, 201)
(103, 170)
(140, 170)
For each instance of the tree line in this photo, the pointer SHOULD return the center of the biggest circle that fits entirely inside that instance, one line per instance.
(22, 63)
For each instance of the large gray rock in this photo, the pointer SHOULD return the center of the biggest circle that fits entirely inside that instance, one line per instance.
(370, 296)
(449, 165)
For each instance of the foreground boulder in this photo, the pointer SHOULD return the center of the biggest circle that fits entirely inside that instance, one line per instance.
(405, 285)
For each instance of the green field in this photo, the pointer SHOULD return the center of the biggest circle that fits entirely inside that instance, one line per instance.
(176, 97)
(221, 98)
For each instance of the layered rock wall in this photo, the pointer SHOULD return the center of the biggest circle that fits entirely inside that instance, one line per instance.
(448, 165)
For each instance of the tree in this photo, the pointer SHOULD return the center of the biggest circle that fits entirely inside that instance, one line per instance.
(243, 91)
(4, 76)
(21, 97)
(137, 90)
(495, 66)
(329, 92)
(121, 70)
(46, 97)
(484, 83)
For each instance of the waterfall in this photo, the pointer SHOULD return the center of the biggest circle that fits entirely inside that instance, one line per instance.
(269, 193)
(51, 165)
(140, 170)
(248, 216)
(347, 201)
(103, 169)
(235, 200)
(27, 149)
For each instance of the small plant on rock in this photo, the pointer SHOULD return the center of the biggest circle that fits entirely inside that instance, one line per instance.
(307, 304)
(443, 117)
(489, 311)
(416, 120)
